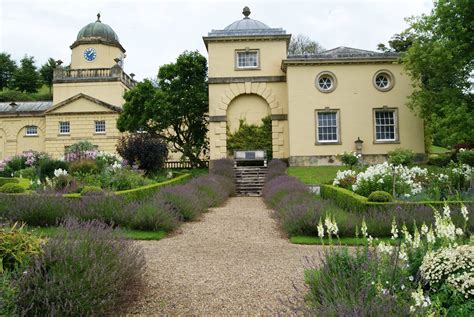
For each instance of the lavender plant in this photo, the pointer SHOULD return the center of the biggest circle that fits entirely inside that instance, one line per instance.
(85, 270)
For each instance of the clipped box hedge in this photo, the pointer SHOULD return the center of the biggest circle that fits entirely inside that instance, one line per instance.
(141, 193)
(8, 180)
(351, 201)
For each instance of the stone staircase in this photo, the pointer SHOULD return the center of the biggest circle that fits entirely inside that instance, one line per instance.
(249, 180)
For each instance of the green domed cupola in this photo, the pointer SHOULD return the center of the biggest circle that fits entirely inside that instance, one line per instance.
(97, 32)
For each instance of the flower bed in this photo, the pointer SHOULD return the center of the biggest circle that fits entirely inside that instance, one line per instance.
(75, 172)
(300, 211)
(412, 184)
(156, 212)
(87, 269)
(353, 202)
(430, 272)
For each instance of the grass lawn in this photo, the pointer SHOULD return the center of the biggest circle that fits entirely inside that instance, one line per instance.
(343, 241)
(438, 149)
(315, 174)
(132, 234)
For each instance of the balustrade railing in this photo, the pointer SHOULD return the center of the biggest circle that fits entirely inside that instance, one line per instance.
(62, 74)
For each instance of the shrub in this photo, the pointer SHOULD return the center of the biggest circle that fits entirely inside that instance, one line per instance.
(401, 156)
(11, 188)
(440, 160)
(29, 173)
(213, 189)
(147, 151)
(275, 168)
(251, 137)
(349, 159)
(350, 284)
(380, 196)
(154, 216)
(184, 199)
(8, 292)
(280, 186)
(83, 166)
(80, 147)
(48, 166)
(13, 164)
(17, 246)
(223, 167)
(123, 179)
(91, 190)
(6, 180)
(85, 270)
(34, 209)
(344, 198)
(466, 157)
(297, 209)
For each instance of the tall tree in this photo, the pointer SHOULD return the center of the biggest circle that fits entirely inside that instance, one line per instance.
(46, 72)
(174, 107)
(26, 78)
(441, 62)
(399, 42)
(303, 45)
(7, 69)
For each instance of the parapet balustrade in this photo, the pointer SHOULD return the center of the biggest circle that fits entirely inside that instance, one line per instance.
(90, 74)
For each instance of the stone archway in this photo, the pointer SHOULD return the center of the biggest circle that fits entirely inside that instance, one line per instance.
(264, 91)
(251, 108)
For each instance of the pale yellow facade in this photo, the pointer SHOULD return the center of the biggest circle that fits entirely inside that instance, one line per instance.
(289, 89)
(90, 90)
(105, 56)
(354, 98)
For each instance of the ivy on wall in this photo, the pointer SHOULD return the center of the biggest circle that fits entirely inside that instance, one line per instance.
(251, 137)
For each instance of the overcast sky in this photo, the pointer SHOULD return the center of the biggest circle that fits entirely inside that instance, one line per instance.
(156, 32)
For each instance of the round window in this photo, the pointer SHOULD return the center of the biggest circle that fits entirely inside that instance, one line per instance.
(326, 82)
(383, 80)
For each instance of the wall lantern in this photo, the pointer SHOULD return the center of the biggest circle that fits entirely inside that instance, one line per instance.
(358, 144)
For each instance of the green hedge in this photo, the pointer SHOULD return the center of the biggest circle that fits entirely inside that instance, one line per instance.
(141, 193)
(351, 201)
(6, 180)
(344, 198)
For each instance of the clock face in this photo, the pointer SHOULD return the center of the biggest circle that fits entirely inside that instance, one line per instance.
(90, 54)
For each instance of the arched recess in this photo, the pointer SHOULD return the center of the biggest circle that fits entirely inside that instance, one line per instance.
(264, 91)
(251, 108)
(30, 142)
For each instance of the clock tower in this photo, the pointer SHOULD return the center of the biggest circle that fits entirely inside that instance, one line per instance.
(96, 68)
(96, 46)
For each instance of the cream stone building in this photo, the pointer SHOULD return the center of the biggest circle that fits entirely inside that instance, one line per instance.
(87, 99)
(320, 105)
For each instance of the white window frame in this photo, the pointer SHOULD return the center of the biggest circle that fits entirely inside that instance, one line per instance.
(64, 124)
(337, 126)
(247, 51)
(29, 131)
(99, 124)
(388, 75)
(395, 138)
(330, 76)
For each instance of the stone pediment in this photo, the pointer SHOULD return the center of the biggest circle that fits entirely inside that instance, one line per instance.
(82, 103)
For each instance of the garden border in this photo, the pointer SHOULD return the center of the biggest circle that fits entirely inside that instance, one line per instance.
(351, 201)
(140, 193)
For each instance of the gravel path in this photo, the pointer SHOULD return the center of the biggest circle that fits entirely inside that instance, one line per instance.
(233, 261)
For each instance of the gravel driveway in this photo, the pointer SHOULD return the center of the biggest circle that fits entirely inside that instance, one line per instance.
(233, 261)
